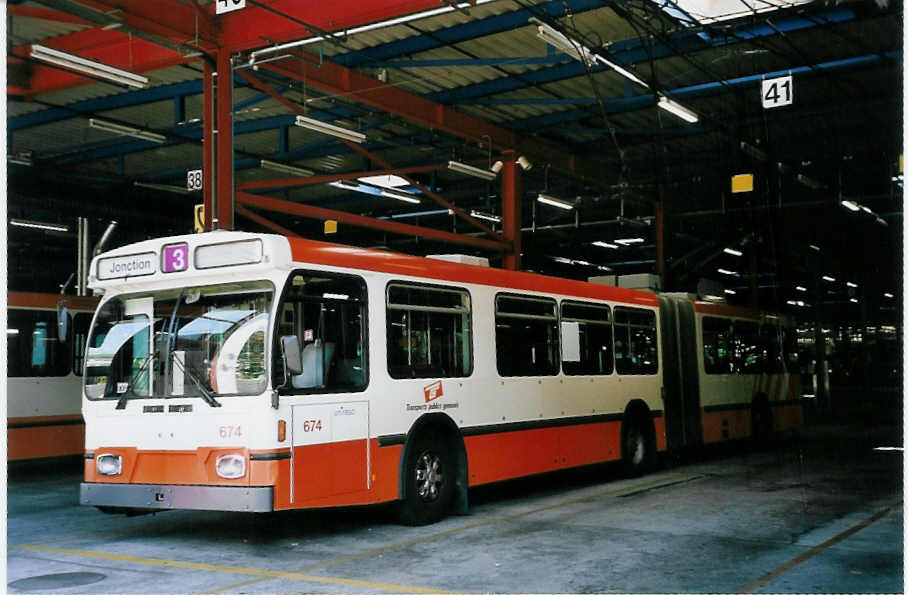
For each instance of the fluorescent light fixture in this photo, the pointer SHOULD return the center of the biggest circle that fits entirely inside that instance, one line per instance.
(390, 181)
(801, 288)
(39, 225)
(399, 196)
(851, 205)
(555, 202)
(731, 292)
(496, 167)
(486, 216)
(733, 252)
(96, 69)
(753, 151)
(798, 303)
(605, 245)
(727, 272)
(285, 169)
(673, 107)
(890, 448)
(814, 248)
(126, 130)
(828, 278)
(866, 209)
(852, 285)
(603, 268)
(21, 158)
(629, 241)
(578, 51)
(12, 331)
(888, 295)
(463, 168)
(330, 129)
(853, 300)
(335, 296)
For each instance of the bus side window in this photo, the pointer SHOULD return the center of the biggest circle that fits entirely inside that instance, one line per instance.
(717, 345)
(749, 353)
(32, 345)
(429, 331)
(526, 336)
(594, 327)
(327, 312)
(636, 349)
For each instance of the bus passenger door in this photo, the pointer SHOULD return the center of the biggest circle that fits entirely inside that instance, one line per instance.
(330, 454)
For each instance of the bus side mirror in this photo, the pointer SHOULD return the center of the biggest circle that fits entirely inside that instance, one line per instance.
(293, 356)
(62, 322)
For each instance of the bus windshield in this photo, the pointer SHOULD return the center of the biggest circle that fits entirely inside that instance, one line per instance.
(191, 342)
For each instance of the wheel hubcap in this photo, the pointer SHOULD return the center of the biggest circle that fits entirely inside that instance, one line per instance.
(429, 476)
(636, 447)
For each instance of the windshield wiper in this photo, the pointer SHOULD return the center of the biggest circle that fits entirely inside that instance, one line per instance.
(121, 404)
(207, 395)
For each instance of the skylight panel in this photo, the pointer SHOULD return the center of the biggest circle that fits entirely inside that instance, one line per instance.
(704, 12)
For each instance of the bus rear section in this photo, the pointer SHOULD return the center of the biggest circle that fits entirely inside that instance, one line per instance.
(736, 375)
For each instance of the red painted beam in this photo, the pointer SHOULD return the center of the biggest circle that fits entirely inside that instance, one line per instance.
(345, 82)
(209, 176)
(241, 210)
(311, 212)
(224, 140)
(45, 14)
(172, 20)
(325, 179)
(510, 211)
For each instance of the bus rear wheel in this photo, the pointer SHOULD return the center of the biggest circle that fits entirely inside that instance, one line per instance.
(638, 449)
(429, 477)
(761, 421)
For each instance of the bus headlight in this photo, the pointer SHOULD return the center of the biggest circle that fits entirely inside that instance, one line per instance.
(230, 466)
(109, 464)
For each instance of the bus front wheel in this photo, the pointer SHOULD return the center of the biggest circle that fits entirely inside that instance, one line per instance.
(428, 483)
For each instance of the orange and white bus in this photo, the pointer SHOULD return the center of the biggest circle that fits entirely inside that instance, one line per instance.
(252, 372)
(44, 375)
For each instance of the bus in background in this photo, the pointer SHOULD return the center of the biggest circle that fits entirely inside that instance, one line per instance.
(253, 372)
(44, 375)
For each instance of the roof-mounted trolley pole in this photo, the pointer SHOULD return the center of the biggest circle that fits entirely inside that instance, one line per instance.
(510, 210)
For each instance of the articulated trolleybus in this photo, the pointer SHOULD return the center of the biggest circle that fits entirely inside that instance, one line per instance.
(250, 372)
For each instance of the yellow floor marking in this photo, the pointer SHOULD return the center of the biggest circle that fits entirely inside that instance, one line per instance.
(403, 544)
(270, 574)
(811, 552)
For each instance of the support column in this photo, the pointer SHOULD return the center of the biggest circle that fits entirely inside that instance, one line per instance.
(510, 210)
(660, 244)
(225, 204)
(209, 178)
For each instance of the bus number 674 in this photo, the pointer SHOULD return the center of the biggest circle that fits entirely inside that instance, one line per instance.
(312, 425)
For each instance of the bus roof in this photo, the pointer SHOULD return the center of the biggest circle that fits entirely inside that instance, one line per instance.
(324, 253)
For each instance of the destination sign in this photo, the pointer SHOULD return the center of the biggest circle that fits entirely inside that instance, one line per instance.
(134, 265)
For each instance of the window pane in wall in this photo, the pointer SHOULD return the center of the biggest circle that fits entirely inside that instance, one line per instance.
(429, 332)
(595, 336)
(32, 345)
(636, 349)
(526, 336)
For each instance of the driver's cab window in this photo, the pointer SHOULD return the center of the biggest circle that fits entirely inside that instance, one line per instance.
(327, 312)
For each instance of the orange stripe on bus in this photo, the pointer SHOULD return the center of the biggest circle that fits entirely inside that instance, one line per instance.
(39, 442)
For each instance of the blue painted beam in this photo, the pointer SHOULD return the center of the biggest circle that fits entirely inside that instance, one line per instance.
(514, 61)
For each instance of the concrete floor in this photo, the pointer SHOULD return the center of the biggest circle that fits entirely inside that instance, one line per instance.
(821, 513)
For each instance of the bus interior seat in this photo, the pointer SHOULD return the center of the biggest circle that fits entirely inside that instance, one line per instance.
(315, 360)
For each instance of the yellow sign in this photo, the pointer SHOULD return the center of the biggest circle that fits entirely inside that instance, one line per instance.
(330, 226)
(199, 222)
(742, 183)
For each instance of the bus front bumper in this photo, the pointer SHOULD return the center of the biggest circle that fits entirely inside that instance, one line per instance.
(169, 497)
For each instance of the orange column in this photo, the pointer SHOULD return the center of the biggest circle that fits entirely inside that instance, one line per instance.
(510, 211)
(209, 179)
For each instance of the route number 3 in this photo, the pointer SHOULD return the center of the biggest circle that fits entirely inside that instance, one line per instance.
(222, 6)
(777, 92)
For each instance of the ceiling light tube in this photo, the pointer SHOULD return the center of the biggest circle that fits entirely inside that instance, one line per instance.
(126, 130)
(851, 285)
(621, 70)
(285, 169)
(731, 292)
(39, 225)
(800, 288)
(605, 245)
(828, 279)
(400, 196)
(486, 216)
(629, 241)
(325, 128)
(888, 295)
(733, 252)
(79, 64)
(727, 272)
(463, 168)
(851, 205)
(555, 202)
(677, 109)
